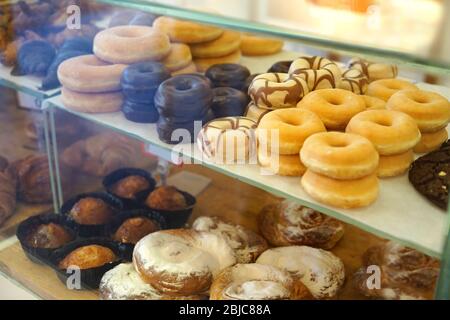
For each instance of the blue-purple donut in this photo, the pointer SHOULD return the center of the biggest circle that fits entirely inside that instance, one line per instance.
(228, 102)
(228, 75)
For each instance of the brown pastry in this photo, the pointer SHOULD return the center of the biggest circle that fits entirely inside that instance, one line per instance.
(88, 257)
(85, 31)
(134, 229)
(166, 198)
(9, 56)
(288, 223)
(7, 195)
(91, 211)
(405, 273)
(129, 186)
(49, 236)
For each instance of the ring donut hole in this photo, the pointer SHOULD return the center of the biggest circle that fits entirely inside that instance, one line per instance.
(335, 100)
(419, 98)
(383, 121)
(338, 142)
(183, 85)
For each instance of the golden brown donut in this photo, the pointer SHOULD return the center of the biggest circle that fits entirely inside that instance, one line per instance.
(252, 45)
(226, 44)
(282, 165)
(373, 103)
(190, 68)
(395, 165)
(385, 88)
(179, 57)
(431, 141)
(203, 64)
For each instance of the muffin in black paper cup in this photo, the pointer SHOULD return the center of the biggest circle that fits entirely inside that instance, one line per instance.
(178, 218)
(30, 226)
(118, 234)
(114, 204)
(89, 278)
(111, 179)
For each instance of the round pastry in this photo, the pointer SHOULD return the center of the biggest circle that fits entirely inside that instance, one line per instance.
(291, 126)
(134, 229)
(288, 223)
(129, 186)
(140, 81)
(140, 112)
(247, 244)
(319, 73)
(88, 257)
(182, 261)
(344, 194)
(228, 75)
(282, 165)
(254, 112)
(277, 90)
(228, 102)
(354, 80)
(92, 102)
(34, 57)
(430, 110)
(90, 74)
(226, 44)
(166, 198)
(131, 44)
(391, 132)
(179, 57)
(385, 88)
(406, 274)
(335, 107)
(257, 282)
(320, 271)
(49, 236)
(373, 103)
(252, 45)
(249, 81)
(431, 141)
(339, 155)
(186, 31)
(228, 140)
(91, 211)
(280, 67)
(124, 283)
(190, 68)
(395, 165)
(78, 43)
(203, 64)
(374, 71)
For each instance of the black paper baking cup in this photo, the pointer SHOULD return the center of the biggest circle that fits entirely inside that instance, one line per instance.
(123, 216)
(90, 278)
(41, 255)
(178, 218)
(115, 176)
(98, 230)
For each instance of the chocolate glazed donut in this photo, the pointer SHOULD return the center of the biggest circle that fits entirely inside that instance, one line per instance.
(228, 75)
(280, 67)
(140, 112)
(228, 102)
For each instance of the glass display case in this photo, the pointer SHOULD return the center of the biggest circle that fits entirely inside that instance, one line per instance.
(141, 130)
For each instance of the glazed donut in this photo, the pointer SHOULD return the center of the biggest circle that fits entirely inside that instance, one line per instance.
(346, 194)
(277, 90)
(92, 102)
(260, 46)
(131, 44)
(282, 165)
(374, 71)
(339, 155)
(319, 73)
(228, 75)
(226, 44)
(355, 81)
(90, 74)
(391, 132)
(203, 64)
(385, 88)
(228, 102)
(228, 140)
(320, 271)
(293, 126)
(247, 244)
(257, 282)
(431, 141)
(373, 103)
(179, 57)
(255, 113)
(186, 31)
(280, 67)
(430, 110)
(141, 80)
(183, 261)
(396, 165)
(190, 68)
(288, 223)
(335, 107)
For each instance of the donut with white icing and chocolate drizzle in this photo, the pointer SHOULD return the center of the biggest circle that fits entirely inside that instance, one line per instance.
(319, 72)
(374, 71)
(228, 140)
(354, 80)
(277, 90)
(255, 113)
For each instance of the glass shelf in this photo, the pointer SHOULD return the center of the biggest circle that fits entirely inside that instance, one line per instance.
(387, 30)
